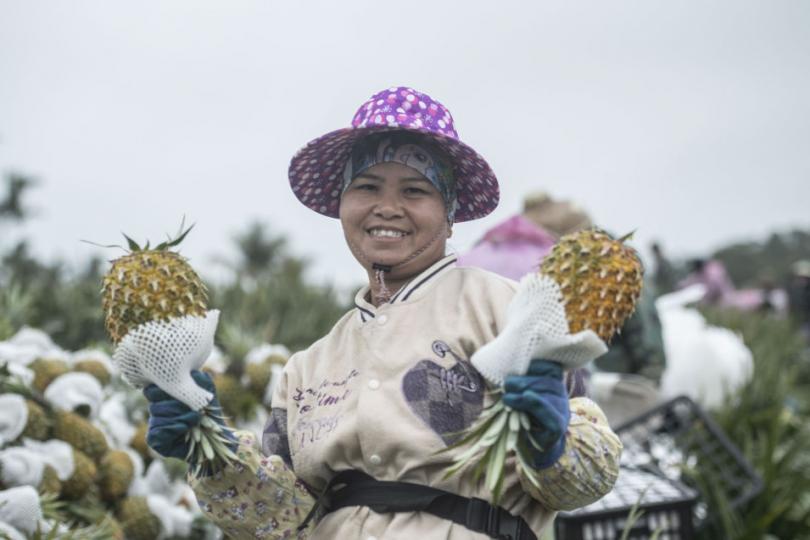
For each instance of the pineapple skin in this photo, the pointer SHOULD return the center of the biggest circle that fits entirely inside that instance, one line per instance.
(50, 482)
(600, 280)
(94, 368)
(116, 472)
(83, 477)
(138, 442)
(236, 400)
(38, 426)
(45, 371)
(258, 377)
(137, 520)
(150, 285)
(80, 434)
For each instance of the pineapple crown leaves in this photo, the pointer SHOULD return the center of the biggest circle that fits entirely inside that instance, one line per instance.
(622, 239)
(134, 247)
(628, 236)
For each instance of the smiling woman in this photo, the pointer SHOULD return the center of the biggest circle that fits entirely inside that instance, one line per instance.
(395, 224)
(366, 414)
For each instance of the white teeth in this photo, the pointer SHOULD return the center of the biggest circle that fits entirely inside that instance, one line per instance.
(387, 233)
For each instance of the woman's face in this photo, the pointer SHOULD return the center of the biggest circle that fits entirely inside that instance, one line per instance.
(388, 213)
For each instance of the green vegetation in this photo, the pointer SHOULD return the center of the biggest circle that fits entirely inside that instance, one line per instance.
(769, 420)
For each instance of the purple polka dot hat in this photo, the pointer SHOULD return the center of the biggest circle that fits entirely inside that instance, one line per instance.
(316, 171)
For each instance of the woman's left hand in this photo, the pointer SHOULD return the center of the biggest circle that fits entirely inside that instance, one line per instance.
(542, 395)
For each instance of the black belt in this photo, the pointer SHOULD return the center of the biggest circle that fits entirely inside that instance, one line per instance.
(354, 488)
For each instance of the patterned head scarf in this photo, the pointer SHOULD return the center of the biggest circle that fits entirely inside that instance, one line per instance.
(410, 150)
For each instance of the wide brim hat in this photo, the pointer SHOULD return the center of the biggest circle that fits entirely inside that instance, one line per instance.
(316, 170)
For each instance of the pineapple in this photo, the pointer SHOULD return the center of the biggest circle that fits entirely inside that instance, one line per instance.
(83, 477)
(116, 472)
(114, 528)
(50, 482)
(258, 374)
(150, 284)
(258, 377)
(159, 285)
(94, 368)
(38, 426)
(138, 442)
(137, 520)
(80, 434)
(235, 399)
(45, 371)
(600, 281)
(599, 278)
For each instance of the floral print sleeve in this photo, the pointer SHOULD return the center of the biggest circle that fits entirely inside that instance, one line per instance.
(589, 466)
(258, 498)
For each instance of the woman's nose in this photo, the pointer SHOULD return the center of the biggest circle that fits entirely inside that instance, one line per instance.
(388, 206)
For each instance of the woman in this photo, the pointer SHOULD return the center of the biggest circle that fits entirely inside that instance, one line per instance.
(360, 417)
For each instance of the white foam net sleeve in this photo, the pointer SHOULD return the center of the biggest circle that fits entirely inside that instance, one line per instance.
(21, 467)
(536, 328)
(96, 355)
(175, 521)
(74, 389)
(58, 454)
(9, 532)
(165, 352)
(22, 373)
(114, 420)
(13, 417)
(259, 354)
(19, 507)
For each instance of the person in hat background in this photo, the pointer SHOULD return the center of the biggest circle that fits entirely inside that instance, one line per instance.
(391, 385)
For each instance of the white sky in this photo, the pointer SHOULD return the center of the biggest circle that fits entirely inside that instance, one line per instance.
(688, 121)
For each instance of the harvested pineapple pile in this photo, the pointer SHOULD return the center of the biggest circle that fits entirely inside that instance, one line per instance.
(73, 456)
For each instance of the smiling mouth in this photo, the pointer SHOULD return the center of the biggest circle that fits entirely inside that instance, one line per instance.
(378, 232)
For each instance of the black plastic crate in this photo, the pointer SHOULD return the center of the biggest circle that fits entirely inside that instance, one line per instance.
(666, 506)
(684, 443)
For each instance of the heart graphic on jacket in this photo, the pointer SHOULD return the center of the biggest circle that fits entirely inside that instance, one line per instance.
(447, 400)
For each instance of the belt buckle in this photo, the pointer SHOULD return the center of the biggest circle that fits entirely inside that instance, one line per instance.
(492, 520)
(485, 517)
(509, 528)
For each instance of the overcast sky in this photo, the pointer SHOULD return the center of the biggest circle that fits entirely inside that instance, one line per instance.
(688, 121)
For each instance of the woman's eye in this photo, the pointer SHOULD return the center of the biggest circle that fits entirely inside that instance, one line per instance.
(415, 191)
(366, 187)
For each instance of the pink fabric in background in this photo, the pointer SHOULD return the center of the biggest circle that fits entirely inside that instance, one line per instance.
(512, 248)
(714, 277)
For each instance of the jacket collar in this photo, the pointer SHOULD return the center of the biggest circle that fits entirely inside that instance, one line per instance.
(414, 289)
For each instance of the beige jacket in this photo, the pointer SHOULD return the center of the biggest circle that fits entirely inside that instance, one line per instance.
(383, 392)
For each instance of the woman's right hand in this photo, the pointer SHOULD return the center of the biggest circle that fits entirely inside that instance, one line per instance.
(170, 420)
